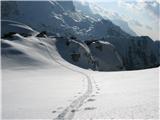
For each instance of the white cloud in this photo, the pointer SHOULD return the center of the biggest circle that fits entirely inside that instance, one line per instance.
(150, 6)
(137, 23)
(153, 8)
(148, 27)
(141, 15)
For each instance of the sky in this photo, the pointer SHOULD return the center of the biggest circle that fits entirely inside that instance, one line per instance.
(142, 16)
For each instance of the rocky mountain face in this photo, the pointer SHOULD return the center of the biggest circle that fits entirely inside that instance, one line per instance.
(90, 10)
(136, 52)
(82, 39)
(106, 56)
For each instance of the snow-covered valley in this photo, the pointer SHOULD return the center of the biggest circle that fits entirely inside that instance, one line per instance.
(56, 89)
(123, 95)
(38, 94)
(70, 65)
(45, 93)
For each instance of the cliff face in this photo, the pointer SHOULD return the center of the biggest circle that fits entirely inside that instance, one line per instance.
(137, 52)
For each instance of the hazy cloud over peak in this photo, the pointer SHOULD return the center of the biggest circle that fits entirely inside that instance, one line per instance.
(148, 27)
(151, 6)
(137, 23)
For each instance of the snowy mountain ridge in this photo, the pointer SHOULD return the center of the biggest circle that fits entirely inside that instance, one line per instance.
(72, 27)
(93, 10)
(15, 44)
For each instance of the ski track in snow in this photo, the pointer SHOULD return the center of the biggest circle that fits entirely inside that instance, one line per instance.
(68, 112)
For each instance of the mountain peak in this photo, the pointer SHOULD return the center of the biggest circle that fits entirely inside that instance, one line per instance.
(67, 5)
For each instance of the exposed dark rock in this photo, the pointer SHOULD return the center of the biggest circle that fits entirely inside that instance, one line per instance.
(73, 38)
(9, 35)
(67, 42)
(75, 57)
(5, 45)
(42, 34)
(99, 47)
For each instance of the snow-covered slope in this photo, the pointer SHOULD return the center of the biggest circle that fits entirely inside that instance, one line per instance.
(37, 83)
(55, 89)
(19, 37)
(122, 95)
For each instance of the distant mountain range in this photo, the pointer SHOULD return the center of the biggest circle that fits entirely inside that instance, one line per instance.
(83, 38)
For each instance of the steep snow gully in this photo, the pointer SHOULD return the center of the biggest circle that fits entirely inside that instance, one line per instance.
(68, 112)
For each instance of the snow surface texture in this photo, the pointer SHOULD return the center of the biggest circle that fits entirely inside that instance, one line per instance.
(61, 18)
(38, 84)
(39, 95)
(122, 95)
